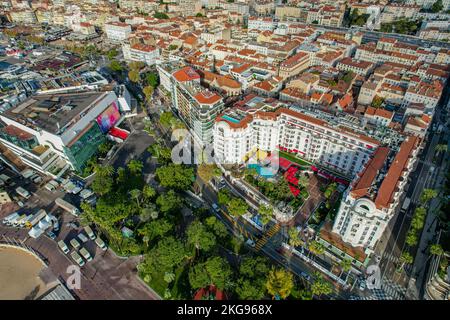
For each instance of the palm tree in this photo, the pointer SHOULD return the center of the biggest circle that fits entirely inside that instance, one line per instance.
(405, 258)
(136, 195)
(441, 148)
(316, 247)
(135, 166)
(266, 213)
(294, 239)
(427, 195)
(320, 286)
(303, 181)
(148, 192)
(346, 265)
(104, 170)
(436, 250)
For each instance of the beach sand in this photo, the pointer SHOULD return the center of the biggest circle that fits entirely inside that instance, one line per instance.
(19, 275)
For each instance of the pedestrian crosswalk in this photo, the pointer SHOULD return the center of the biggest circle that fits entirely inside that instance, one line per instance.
(389, 291)
(269, 234)
(390, 257)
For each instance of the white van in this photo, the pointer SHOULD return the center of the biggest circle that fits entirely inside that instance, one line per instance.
(62, 245)
(89, 232)
(86, 254)
(76, 257)
(74, 243)
(99, 242)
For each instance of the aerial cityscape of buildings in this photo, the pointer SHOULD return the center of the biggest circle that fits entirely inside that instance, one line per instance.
(349, 98)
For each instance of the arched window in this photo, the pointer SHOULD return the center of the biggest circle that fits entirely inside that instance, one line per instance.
(364, 207)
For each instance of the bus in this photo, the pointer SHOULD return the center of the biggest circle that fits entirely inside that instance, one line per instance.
(67, 206)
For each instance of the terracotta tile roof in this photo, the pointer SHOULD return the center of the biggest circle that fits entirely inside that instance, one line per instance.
(368, 175)
(222, 81)
(186, 74)
(207, 97)
(389, 184)
(143, 47)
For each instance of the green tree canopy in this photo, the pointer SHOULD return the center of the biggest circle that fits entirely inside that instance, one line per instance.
(427, 195)
(169, 202)
(216, 226)
(133, 75)
(199, 237)
(156, 228)
(279, 283)
(175, 176)
(152, 79)
(237, 207)
(168, 254)
(103, 180)
(266, 213)
(214, 271)
(115, 66)
(320, 286)
(208, 171)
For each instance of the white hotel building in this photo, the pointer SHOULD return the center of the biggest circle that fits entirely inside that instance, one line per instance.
(375, 194)
(237, 133)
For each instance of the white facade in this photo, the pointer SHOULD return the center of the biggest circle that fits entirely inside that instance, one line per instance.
(310, 138)
(147, 54)
(117, 31)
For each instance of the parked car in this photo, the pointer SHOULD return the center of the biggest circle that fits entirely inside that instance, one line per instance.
(74, 243)
(250, 243)
(76, 257)
(305, 275)
(89, 232)
(86, 254)
(362, 285)
(51, 235)
(62, 245)
(83, 238)
(215, 207)
(99, 242)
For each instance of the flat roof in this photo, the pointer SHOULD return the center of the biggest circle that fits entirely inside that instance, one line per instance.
(50, 112)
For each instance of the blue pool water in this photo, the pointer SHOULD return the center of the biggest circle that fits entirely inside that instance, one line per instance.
(228, 118)
(262, 171)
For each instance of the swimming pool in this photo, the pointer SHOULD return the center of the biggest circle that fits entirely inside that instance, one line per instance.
(266, 172)
(228, 118)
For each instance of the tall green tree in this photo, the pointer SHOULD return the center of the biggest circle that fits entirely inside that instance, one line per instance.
(169, 202)
(135, 167)
(405, 258)
(199, 237)
(168, 254)
(175, 176)
(427, 195)
(320, 286)
(237, 207)
(216, 226)
(103, 180)
(279, 283)
(155, 229)
(294, 237)
(214, 271)
(266, 213)
(436, 250)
